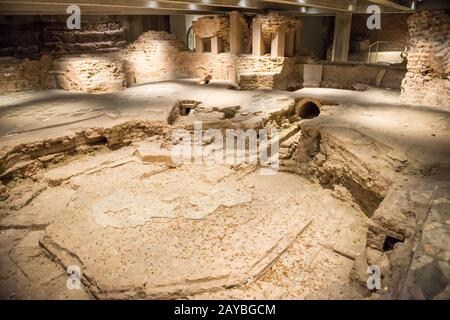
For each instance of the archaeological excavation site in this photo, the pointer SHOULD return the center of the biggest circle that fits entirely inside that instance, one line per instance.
(222, 149)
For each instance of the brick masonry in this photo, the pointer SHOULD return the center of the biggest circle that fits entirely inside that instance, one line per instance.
(427, 81)
(30, 37)
(156, 56)
(25, 74)
(393, 32)
(271, 22)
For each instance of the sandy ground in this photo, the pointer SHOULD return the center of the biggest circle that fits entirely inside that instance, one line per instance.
(144, 230)
(147, 230)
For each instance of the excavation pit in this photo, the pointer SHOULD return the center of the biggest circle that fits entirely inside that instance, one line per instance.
(105, 195)
(141, 228)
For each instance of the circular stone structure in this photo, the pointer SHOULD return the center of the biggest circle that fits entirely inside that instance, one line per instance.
(308, 108)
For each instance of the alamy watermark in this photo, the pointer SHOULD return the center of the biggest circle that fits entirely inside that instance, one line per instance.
(374, 278)
(73, 277)
(231, 146)
(374, 20)
(73, 22)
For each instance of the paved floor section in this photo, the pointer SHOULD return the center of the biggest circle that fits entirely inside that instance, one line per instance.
(50, 112)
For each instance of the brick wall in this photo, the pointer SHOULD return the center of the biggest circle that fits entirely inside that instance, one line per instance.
(271, 22)
(25, 74)
(97, 34)
(89, 73)
(20, 36)
(350, 75)
(153, 56)
(159, 56)
(394, 29)
(427, 81)
(32, 36)
(210, 26)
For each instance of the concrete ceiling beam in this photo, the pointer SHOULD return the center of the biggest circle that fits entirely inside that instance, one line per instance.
(105, 6)
(336, 5)
(60, 9)
(405, 5)
(248, 4)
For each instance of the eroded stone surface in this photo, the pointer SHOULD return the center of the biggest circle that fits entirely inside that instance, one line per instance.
(224, 225)
(145, 229)
(215, 251)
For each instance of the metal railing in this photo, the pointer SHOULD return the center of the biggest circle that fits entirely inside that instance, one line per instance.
(377, 44)
(376, 52)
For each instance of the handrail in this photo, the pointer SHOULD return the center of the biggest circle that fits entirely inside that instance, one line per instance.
(377, 43)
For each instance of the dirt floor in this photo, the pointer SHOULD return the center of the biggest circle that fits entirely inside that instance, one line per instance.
(87, 180)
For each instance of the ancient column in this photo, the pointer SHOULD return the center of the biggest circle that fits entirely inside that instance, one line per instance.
(258, 47)
(277, 47)
(297, 41)
(341, 41)
(216, 45)
(290, 41)
(199, 45)
(133, 28)
(235, 33)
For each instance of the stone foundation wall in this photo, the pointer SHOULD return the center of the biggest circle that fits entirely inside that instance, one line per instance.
(23, 75)
(347, 75)
(98, 33)
(262, 72)
(210, 26)
(252, 64)
(90, 73)
(350, 75)
(32, 36)
(221, 66)
(271, 22)
(155, 56)
(427, 81)
(94, 59)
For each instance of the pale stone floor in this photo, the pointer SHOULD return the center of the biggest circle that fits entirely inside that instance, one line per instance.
(422, 132)
(213, 232)
(51, 112)
(198, 231)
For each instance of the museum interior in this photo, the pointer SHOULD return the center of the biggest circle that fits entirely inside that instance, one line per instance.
(225, 149)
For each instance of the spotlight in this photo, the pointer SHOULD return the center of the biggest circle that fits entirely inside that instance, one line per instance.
(152, 4)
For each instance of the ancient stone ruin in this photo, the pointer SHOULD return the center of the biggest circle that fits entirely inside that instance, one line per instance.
(224, 152)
